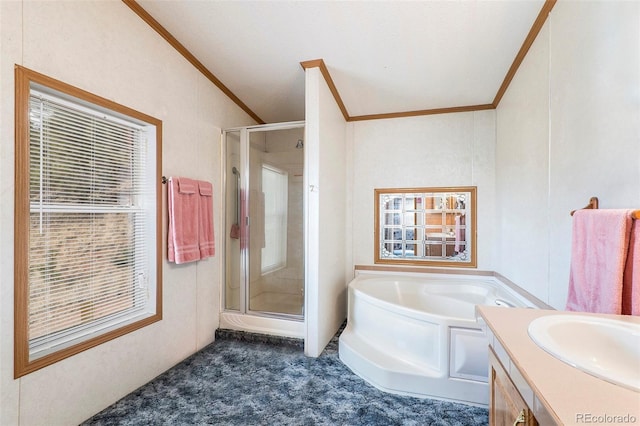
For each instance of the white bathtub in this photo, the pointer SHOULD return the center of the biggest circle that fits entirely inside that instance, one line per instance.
(416, 334)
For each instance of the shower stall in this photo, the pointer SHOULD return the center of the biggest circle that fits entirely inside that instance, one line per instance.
(264, 281)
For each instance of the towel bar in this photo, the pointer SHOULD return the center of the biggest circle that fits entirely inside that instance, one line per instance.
(593, 204)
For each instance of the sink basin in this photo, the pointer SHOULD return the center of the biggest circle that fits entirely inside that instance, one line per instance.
(605, 348)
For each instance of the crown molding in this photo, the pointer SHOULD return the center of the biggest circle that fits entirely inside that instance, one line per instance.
(165, 34)
(522, 53)
(524, 49)
(319, 63)
(416, 113)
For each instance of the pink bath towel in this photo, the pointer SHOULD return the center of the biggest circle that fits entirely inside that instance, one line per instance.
(599, 251)
(183, 202)
(206, 236)
(631, 282)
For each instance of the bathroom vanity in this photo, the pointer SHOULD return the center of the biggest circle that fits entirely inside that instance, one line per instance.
(528, 386)
(506, 405)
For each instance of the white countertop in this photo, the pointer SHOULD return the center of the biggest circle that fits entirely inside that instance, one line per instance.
(567, 395)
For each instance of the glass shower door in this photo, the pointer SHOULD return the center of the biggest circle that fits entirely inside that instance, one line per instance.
(234, 276)
(265, 264)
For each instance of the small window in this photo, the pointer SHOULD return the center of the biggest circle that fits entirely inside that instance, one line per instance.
(426, 226)
(275, 187)
(87, 223)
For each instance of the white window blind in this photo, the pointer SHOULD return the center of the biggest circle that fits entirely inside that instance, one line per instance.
(92, 222)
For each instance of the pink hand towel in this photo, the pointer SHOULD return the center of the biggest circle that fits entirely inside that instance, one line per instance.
(182, 239)
(599, 251)
(206, 238)
(631, 281)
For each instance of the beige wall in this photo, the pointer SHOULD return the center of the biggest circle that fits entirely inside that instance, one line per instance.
(436, 150)
(326, 264)
(522, 174)
(568, 129)
(103, 47)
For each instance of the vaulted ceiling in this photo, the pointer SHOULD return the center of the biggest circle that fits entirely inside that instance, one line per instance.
(384, 57)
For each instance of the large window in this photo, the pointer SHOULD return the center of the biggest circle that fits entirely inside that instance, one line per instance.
(87, 221)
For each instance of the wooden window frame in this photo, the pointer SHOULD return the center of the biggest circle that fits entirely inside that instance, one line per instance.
(471, 230)
(24, 78)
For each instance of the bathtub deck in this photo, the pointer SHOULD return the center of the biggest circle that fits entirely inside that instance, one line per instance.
(390, 374)
(417, 334)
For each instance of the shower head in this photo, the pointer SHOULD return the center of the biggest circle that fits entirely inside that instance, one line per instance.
(234, 171)
(300, 144)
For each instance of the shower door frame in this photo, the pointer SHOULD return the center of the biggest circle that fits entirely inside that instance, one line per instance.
(245, 148)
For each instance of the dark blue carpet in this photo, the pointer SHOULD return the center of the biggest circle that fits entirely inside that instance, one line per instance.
(246, 379)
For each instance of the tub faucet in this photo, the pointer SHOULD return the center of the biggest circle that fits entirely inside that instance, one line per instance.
(502, 302)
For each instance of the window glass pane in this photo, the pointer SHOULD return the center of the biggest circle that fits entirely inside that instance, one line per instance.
(410, 233)
(90, 211)
(78, 273)
(388, 249)
(392, 233)
(431, 202)
(410, 250)
(411, 203)
(392, 202)
(392, 219)
(83, 159)
(409, 219)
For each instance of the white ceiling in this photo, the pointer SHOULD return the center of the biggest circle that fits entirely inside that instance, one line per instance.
(384, 56)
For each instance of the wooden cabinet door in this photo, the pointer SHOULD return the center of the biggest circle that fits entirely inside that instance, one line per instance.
(506, 406)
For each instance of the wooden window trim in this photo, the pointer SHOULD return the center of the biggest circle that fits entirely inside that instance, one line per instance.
(473, 261)
(23, 79)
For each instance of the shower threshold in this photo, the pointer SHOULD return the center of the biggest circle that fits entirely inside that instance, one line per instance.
(265, 323)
